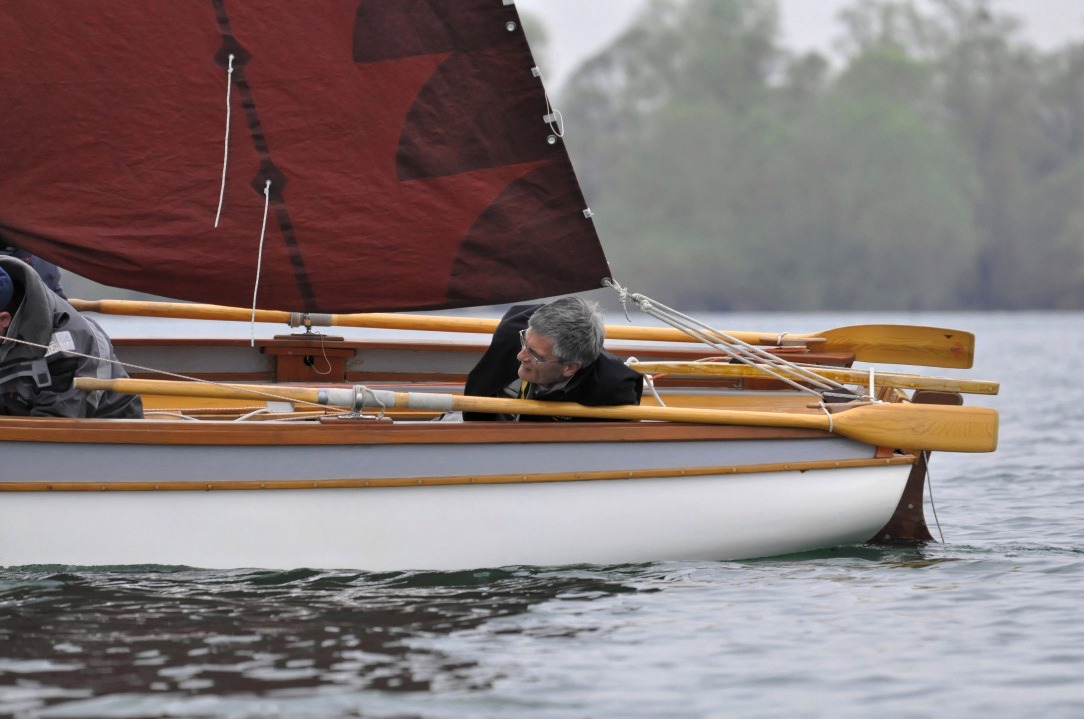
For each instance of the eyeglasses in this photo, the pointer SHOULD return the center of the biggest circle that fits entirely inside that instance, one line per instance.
(535, 357)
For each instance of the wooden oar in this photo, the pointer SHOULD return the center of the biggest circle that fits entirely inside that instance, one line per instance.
(837, 374)
(890, 344)
(907, 426)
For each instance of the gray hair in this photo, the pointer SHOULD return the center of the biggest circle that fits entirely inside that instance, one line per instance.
(574, 325)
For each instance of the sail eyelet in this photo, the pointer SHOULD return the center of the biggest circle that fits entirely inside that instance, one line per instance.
(510, 26)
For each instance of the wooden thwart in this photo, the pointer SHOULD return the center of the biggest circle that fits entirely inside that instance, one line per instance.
(905, 426)
(891, 344)
(837, 374)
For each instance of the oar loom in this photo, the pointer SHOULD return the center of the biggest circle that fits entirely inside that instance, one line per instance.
(892, 344)
(897, 425)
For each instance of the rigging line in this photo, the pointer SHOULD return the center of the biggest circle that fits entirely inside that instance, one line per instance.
(226, 151)
(727, 344)
(259, 261)
(929, 485)
(553, 117)
(740, 350)
(167, 373)
(749, 355)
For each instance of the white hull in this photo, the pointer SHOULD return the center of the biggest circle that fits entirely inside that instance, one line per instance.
(455, 527)
(432, 496)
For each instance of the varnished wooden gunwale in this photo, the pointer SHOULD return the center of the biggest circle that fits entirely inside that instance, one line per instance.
(360, 431)
(518, 478)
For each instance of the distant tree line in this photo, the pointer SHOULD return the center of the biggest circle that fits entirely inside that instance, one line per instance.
(938, 164)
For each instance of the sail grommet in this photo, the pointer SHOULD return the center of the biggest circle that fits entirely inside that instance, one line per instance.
(552, 139)
(510, 26)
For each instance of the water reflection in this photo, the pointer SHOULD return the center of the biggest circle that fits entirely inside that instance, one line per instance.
(177, 632)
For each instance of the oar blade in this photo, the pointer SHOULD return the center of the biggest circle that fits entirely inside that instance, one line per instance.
(905, 344)
(921, 427)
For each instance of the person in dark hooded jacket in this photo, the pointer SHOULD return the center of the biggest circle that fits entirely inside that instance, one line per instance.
(553, 353)
(49, 272)
(44, 343)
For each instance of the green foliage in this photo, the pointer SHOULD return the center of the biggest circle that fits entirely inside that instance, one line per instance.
(941, 167)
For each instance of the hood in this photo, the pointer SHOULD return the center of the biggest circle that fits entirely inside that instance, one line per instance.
(33, 320)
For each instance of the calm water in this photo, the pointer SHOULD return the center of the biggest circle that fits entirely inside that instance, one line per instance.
(989, 624)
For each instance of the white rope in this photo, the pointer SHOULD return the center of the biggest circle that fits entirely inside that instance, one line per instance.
(929, 486)
(557, 123)
(327, 360)
(788, 372)
(368, 396)
(649, 380)
(831, 422)
(226, 151)
(259, 260)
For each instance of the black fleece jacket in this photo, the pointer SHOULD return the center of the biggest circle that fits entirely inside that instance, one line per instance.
(606, 381)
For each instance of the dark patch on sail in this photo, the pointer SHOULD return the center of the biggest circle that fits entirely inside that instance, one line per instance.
(533, 241)
(268, 170)
(501, 125)
(396, 29)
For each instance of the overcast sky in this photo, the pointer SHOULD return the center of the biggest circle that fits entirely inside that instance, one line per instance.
(579, 28)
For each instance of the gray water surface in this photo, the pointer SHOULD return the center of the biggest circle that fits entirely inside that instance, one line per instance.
(988, 624)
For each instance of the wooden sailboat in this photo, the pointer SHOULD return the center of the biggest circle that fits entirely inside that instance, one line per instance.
(372, 157)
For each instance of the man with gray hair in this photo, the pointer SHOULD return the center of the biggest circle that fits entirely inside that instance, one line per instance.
(552, 352)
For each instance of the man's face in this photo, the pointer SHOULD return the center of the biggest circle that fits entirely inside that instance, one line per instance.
(537, 362)
(5, 320)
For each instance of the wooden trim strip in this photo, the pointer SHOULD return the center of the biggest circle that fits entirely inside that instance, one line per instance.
(187, 486)
(338, 431)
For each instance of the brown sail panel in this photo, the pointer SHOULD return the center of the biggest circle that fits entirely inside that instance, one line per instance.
(409, 163)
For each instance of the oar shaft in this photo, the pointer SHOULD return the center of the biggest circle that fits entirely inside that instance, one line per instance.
(441, 402)
(908, 426)
(892, 344)
(374, 320)
(179, 310)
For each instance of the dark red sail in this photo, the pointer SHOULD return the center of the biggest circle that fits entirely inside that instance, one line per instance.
(409, 161)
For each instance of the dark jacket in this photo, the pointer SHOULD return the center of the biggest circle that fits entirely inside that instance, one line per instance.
(35, 381)
(606, 381)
